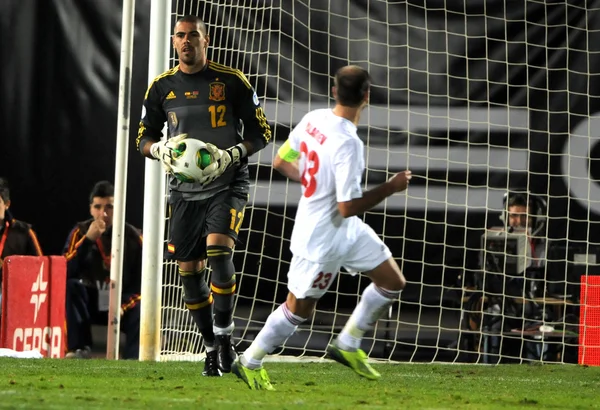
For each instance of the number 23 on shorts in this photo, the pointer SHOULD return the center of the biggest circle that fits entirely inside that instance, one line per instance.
(322, 280)
(311, 167)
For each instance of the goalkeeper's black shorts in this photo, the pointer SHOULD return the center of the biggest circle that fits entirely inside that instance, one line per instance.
(192, 221)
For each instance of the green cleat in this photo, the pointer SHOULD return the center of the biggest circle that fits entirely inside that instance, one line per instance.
(256, 379)
(356, 360)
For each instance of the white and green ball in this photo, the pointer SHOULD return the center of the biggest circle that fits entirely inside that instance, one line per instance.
(190, 158)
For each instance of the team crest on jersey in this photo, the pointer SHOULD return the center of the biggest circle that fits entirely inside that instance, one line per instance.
(173, 119)
(217, 91)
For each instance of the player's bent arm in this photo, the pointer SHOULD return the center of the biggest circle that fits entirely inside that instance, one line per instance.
(397, 183)
(144, 148)
(151, 122)
(369, 199)
(287, 169)
(286, 162)
(257, 130)
(250, 148)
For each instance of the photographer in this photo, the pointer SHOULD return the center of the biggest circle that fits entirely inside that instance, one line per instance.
(511, 277)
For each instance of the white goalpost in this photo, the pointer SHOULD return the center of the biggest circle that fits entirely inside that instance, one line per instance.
(473, 294)
(154, 198)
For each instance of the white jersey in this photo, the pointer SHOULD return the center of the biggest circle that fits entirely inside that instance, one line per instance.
(331, 165)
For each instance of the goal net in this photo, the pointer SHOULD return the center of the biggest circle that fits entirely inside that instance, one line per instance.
(490, 107)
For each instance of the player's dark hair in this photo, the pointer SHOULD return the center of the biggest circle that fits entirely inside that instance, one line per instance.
(4, 190)
(195, 20)
(102, 189)
(518, 200)
(352, 82)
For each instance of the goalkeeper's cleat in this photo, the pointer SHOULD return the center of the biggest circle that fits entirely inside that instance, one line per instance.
(227, 354)
(256, 379)
(211, 365)
(356, 360)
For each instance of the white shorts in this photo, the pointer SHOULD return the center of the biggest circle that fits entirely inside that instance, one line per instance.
(308, 279)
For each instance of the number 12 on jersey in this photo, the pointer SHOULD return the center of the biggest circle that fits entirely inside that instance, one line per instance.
(309, 171)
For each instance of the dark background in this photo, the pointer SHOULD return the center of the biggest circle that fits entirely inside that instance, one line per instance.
(59, 89)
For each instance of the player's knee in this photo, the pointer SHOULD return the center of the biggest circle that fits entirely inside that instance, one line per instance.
(398, 281)
(393, 281)
(388, 276)
(220, 259)
(196, 294)
(303, 308)
(192, 266)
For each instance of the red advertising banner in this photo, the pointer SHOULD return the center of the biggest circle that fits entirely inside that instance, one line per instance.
(33, 304)
(589, 334)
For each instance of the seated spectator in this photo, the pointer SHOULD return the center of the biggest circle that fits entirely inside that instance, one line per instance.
(16, 237)
(88, 253)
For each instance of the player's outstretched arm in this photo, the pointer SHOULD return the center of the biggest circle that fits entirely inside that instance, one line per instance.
(397, 183)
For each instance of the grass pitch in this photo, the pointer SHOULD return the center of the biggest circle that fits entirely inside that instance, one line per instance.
(102, 384)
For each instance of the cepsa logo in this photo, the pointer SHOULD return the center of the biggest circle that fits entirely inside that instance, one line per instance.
(46, 339)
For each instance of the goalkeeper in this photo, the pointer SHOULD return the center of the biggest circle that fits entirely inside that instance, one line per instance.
(207, 101)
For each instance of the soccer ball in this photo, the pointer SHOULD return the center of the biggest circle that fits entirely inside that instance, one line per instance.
(190, 158)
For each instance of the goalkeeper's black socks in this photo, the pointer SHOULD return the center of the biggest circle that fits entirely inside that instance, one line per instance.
(223, 283)
(199, 302)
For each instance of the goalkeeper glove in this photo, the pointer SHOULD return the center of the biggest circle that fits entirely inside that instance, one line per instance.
(163, 150)
(224, 159)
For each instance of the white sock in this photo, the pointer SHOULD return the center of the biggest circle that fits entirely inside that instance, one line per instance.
(280, 325)
(374, 302)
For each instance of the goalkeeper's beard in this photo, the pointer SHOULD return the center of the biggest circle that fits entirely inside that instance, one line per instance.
(188, 57)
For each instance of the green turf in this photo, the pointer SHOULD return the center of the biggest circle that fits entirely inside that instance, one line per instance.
(101, 384)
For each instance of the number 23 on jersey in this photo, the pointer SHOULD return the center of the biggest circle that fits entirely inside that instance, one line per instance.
(308, 177)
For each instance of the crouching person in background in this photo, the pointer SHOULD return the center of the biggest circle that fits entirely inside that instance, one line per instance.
(88, 253)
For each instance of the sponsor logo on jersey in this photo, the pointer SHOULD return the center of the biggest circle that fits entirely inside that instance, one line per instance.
(255, 98)
(171, 95)
(191, 95)
(173, 118)
(217, 91)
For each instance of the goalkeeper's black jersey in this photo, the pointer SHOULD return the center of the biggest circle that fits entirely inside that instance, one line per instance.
(211, 106)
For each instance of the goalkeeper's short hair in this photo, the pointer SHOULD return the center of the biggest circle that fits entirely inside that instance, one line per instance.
(190, 18)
